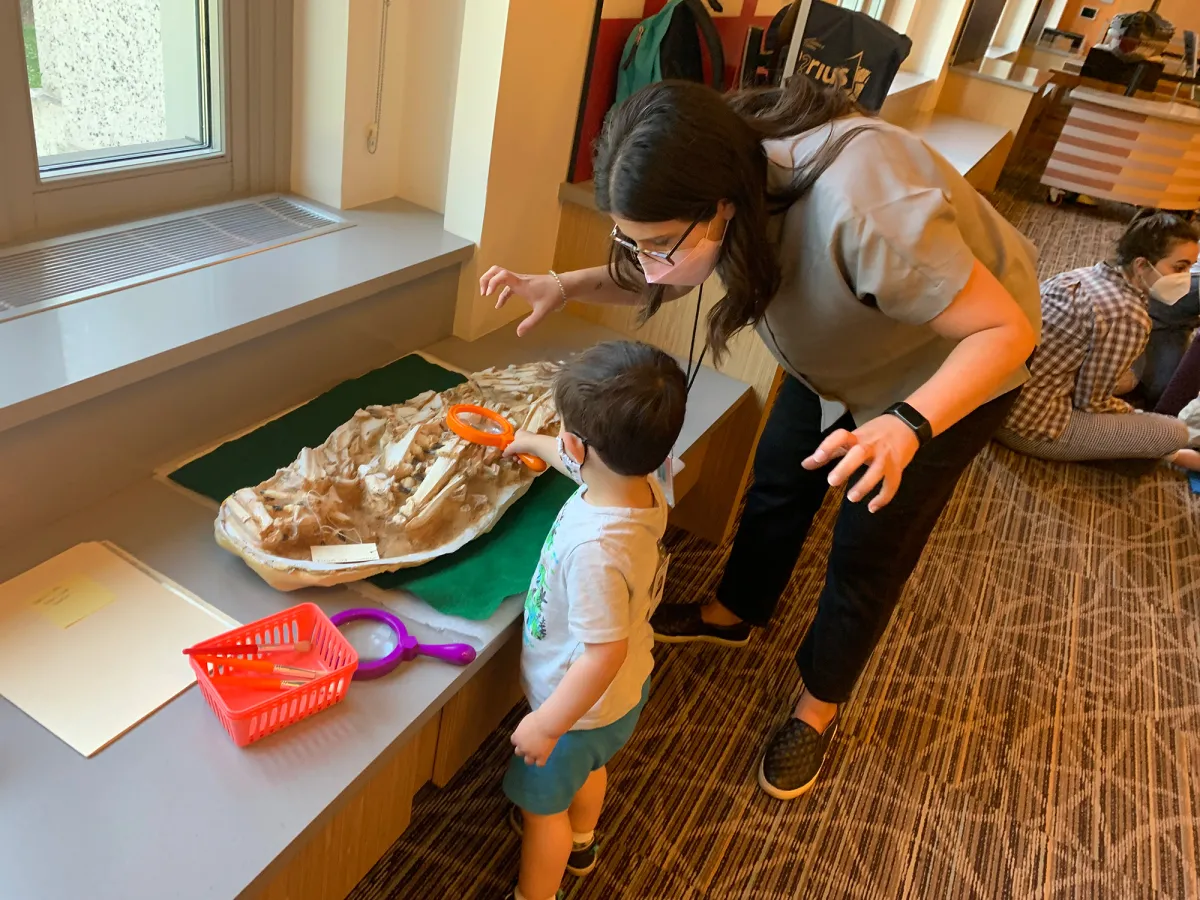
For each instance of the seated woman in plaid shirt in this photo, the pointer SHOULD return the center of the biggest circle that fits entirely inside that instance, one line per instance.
(1095, 325)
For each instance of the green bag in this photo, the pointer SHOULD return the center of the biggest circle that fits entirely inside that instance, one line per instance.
(667, 46)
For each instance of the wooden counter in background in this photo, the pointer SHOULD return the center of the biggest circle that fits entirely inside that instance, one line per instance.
(1000, 93)
(1131, 150)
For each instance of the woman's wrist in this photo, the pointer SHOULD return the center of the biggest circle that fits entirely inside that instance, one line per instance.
(562, 290)
(595, 285)
(576, 284)
(912, 418)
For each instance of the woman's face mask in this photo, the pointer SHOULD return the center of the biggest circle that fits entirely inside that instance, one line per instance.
(683, 266)
(687, 268)
(1170, 289)
(1166, 289)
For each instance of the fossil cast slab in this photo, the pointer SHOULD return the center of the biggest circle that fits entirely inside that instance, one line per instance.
(393, 476)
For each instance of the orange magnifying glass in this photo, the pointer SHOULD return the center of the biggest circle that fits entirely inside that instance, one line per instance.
(483, 426)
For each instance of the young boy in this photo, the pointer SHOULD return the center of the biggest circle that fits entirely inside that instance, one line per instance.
(586, 659)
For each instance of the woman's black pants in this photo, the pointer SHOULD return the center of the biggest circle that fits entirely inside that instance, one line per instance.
(873, 553)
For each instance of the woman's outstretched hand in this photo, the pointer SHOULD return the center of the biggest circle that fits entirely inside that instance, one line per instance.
(539, 291)
(885, 445)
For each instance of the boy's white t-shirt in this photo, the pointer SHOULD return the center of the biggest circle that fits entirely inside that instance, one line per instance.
(598, 580)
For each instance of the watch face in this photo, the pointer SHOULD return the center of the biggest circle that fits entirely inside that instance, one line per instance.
(912, 419)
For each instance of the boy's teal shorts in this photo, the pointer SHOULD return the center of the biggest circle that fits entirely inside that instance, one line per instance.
(549, 789)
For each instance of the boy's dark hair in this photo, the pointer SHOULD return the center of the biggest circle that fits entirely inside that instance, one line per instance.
(1153, 234)
(625, 399)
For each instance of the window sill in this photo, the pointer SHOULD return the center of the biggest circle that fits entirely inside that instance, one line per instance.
(69, 354)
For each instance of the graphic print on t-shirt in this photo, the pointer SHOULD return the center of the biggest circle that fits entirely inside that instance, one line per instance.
(535, 599)
(599, 573)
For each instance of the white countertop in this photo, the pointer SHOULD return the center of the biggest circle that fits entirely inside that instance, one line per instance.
(963, 142)
(1172, 112)
(173, 808)
(67, 354)
(1005, 72)
(167, 787)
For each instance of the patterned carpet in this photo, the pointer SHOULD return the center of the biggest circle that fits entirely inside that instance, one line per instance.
(1030, 727)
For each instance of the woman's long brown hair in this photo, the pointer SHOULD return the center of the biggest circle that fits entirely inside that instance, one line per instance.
(675, 150)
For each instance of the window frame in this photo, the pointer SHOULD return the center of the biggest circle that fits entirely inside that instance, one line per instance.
(876, 9)
(212, 112)
(251, 104)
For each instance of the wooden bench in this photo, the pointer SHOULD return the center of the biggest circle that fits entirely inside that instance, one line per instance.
(978, 150)
(989, 106)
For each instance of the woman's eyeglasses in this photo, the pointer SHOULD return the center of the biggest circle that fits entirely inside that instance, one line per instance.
(631, 245)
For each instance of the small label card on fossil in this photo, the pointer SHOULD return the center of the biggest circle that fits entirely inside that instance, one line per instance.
(345, 553)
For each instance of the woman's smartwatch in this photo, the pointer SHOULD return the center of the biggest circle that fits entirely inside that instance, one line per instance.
(914, 420)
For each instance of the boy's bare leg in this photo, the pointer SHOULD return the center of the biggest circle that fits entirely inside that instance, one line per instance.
(545, 848)
(584, 811)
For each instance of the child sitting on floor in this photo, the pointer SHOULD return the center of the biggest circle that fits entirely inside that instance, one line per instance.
(586, 658)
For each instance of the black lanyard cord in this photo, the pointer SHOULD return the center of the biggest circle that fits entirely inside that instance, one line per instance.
(692, 373)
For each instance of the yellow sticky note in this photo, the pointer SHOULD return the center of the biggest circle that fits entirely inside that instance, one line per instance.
(72, 600)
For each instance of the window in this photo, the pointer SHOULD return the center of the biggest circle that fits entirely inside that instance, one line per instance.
(111, 83)
(873, 8)
(112, 110)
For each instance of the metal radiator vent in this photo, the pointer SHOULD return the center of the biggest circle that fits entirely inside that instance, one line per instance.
(52, 273)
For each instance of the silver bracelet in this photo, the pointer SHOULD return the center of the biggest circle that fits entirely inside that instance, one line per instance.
(562, 290)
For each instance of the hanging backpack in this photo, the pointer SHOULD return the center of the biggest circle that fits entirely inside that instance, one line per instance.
(842, 49)
(668, 46)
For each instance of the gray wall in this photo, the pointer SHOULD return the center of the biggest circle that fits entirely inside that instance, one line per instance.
(90, 451)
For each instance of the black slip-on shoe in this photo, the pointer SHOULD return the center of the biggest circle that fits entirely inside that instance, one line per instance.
(793, 758)
(682, 624)
(583, 856)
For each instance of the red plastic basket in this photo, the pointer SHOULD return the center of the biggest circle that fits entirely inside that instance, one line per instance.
(250, 713)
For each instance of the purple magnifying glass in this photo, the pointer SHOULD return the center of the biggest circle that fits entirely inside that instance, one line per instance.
(382, 649)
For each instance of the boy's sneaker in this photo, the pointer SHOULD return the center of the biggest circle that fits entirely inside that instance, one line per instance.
(793, 758)
(512, 895)
(682, 624)
(582, 859)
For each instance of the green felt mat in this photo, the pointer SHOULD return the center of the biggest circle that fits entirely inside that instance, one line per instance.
(470, 583)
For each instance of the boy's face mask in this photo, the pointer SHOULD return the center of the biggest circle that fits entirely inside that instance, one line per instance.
(573, 466)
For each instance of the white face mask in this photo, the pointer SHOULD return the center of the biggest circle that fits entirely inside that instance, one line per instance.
(1170, 289)
(573, 466)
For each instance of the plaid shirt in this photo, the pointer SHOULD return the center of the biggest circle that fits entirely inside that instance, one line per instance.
(1095, 324)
